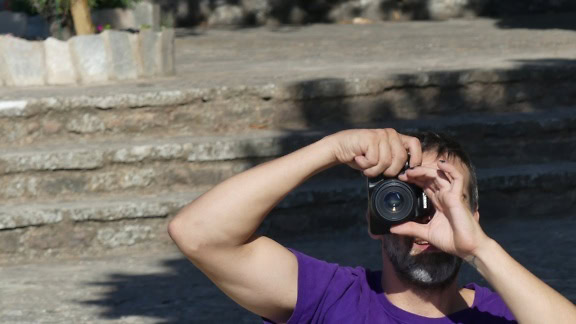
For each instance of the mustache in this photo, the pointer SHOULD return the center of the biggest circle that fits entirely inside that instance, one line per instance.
(428, 271)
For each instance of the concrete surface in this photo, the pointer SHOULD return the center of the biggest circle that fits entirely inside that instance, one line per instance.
(159, 286)
(217, 58)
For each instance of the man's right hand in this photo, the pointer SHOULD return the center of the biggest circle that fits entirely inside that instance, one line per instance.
(375, 151)
(216, 230)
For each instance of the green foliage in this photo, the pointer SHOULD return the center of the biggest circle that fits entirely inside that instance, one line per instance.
(51, 9)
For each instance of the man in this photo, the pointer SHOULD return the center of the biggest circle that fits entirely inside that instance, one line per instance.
(420, 259)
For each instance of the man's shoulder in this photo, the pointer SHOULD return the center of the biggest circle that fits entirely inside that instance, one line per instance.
(488, 303)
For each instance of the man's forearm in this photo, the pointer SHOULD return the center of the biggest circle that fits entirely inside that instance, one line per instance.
(529, 298)
(231, 212)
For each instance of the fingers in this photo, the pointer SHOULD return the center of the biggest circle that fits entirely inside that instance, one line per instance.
(381, 151)
(362, 162)
(412, 144)
(453, 175)
(385, 157)
(411, 229)
(399, 155)
(426, 177)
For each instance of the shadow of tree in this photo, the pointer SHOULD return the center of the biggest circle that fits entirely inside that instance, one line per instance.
(182, 294)
(566, 21)
(422, 101)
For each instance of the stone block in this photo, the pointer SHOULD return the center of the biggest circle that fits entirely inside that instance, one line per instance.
(91, 58)
(135, 46)
(19, 69)
(149, 48)
(147, 14)
(13, 23)
(23, 217)
(167, 51)
(258, 9)
(117, 18)
(227, 15)
(447, 9)
(59, 66)
(125, 236)
(85, 124)
(46, 160)
(120, 52)
(125, 210)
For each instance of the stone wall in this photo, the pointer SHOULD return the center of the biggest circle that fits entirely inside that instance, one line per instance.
(111, 55)
(275, 12)
(236, 13)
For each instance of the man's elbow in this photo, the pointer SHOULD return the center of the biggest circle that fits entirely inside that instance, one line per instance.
(187, 239)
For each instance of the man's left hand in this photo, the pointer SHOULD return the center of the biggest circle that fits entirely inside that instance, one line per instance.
(454, 228)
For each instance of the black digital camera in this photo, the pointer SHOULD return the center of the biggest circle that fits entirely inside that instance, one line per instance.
(391, 201)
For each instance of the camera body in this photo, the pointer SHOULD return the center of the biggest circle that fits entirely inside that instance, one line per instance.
(391, 202)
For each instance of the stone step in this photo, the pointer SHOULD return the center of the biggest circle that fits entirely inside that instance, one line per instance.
(102, 223)
(311, 103)
(164, 165)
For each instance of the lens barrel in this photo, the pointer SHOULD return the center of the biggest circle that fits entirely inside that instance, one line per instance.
(394, 201)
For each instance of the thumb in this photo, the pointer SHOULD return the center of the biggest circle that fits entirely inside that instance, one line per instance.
(410, 229)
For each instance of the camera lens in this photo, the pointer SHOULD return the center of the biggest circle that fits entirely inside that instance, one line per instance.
(393, 201)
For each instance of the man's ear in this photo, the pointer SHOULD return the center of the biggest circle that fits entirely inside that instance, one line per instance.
(476, 215)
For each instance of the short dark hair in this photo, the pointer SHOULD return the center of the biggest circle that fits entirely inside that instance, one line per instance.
(445, 145)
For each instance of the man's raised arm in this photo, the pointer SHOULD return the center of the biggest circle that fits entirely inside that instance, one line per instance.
(456, 230)
(216, 230)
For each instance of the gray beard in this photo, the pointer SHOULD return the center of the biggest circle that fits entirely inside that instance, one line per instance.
(426, 271)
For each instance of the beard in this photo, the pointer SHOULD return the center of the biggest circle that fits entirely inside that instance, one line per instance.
(428, 271)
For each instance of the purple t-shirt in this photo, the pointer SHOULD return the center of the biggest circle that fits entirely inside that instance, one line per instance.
(329, 293)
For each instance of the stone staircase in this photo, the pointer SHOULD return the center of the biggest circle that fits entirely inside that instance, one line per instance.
(84, 174)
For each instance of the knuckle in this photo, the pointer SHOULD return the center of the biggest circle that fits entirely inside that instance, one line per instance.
(414, 141)
(391, 132)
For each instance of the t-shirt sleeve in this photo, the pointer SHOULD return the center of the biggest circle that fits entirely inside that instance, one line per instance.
(320, 286)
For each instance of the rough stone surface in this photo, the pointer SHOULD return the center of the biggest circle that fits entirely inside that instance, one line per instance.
(375, 53)
(18, 69)
(147, 14)
(120, 51)
(446, 9)
(13, 108)
(10, 241)
(26, 216)
(149, 46)
(126, 210)
(422, 69)
(168, 52)
(535, 179)
(258, 10)
(91, 58)
(64, 160)
(86, 124)
(117, 18)
(227, 15)
(345, 12)
(59, 67)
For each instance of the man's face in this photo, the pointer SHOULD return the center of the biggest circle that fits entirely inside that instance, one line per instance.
(420, 264)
